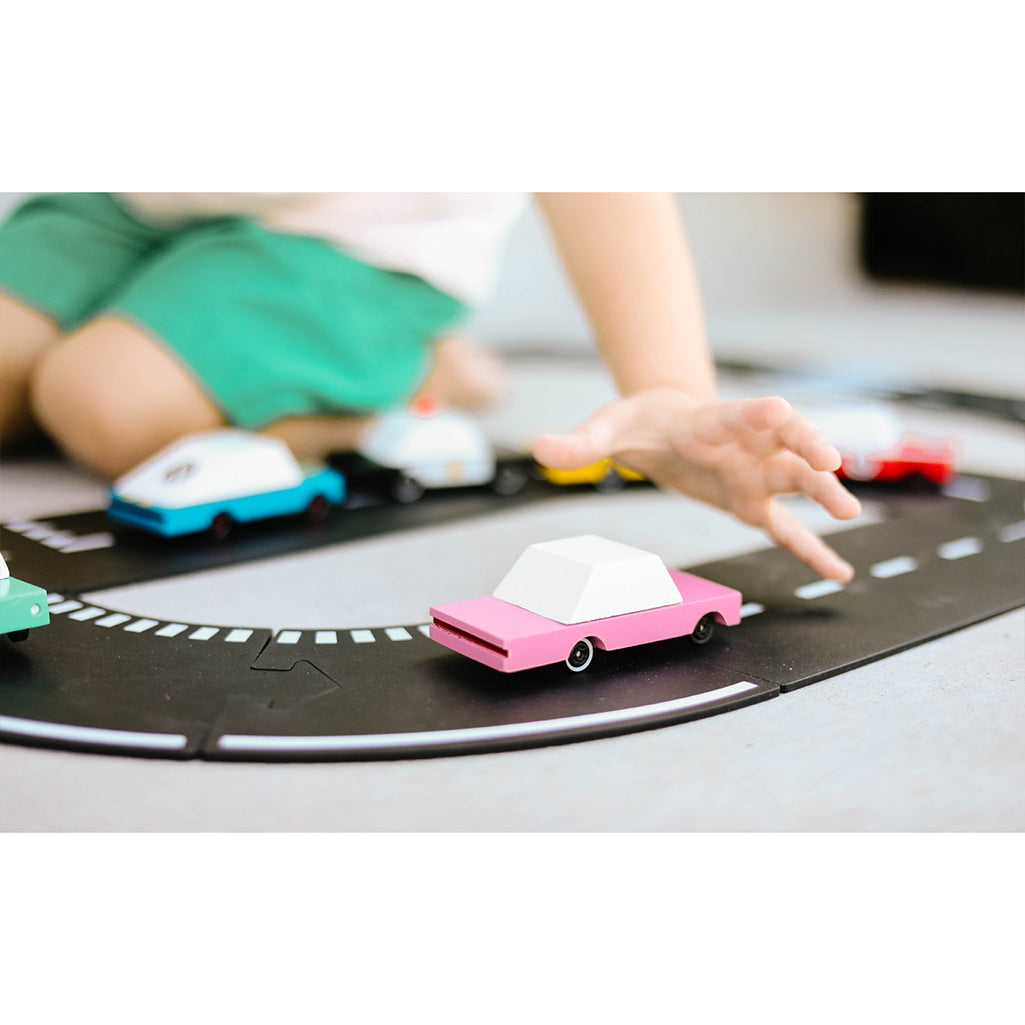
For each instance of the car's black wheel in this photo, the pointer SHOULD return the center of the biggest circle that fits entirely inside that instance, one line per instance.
(611, 482)
(317, 510)
(18, 635)
(404, 489)
(509, 480)
(221, 526)
(703, 631)
(581, 655)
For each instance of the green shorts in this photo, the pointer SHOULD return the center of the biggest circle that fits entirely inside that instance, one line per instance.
(269, 324)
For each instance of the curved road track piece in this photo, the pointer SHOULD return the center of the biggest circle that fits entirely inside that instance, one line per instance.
(103, 680)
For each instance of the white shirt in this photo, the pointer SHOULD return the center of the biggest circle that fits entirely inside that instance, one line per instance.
(451, 239)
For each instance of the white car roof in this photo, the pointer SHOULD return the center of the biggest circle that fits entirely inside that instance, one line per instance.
(211, 467)
(577, 579)
(860, 430)
(404, 440)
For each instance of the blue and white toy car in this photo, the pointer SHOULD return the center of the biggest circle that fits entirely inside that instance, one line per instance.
(208, 482)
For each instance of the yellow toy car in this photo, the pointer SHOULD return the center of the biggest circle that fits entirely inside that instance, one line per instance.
(605, 475)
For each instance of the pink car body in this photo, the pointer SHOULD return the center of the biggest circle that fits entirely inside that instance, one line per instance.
(509, 638)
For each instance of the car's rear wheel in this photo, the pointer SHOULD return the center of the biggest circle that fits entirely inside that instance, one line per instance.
(703, 631)
(404, 489)
(581, 656)
(221, 526)
(610, 483)
(509, 480)
(317, 510)
(18, 635)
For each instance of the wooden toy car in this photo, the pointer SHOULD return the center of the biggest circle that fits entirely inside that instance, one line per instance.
(209, 482)
(874, 447)
(562, 599)
(426, 446)
(22, 606)
(605, 475)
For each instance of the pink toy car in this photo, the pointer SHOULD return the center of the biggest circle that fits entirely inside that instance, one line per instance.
(562, 599)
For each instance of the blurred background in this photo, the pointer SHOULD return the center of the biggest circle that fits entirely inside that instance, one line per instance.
(880, 286)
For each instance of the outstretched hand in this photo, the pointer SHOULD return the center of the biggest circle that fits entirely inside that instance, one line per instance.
(735, 455)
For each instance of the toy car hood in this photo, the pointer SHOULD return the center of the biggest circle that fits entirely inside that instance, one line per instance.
(211, 467)
(403, 439)
(579, 579)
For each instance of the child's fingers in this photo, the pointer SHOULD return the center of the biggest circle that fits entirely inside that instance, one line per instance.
(725, 422)
(789, 533)
(804, 439)
(599, 437)
(791, 475)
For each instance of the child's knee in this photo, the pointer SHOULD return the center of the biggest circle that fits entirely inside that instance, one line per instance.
(111, 397)
(72, 401)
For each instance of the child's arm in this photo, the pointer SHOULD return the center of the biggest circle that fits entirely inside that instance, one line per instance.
(630, 266)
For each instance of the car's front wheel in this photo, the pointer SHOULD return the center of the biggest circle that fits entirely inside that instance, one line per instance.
(581, 656)
(18, 635)
(317, 510)
(703, 631)
(221, 526)
(405, 490)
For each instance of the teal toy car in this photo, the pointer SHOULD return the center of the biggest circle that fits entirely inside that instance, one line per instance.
(211, 481)
(22, 606)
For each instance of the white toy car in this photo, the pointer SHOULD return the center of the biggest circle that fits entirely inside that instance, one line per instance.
(208, 482)
(426, 446)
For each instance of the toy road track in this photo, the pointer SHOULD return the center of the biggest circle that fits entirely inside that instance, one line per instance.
(104, 680)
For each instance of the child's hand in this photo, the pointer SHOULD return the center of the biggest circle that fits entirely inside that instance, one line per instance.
(735, 455)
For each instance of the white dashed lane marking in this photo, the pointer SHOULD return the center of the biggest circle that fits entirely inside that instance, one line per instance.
(53, 598)
(171, 630)
(204, 633)
(968, 488)
(1013, 531)
(751, 608)
(363, 636)
(326, 637)
(140, 626)
(425, 629)
(289, 636)
(398, 633)
(89, 612)
(65, 541)
(959, 549)
(65, 606)
(894, 567)
(238, 636)
(818, 589)
(114, 619)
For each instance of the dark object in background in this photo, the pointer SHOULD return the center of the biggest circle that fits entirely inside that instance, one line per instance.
(972, 240)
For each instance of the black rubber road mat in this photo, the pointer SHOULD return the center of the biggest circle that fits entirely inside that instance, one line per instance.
(109, 681)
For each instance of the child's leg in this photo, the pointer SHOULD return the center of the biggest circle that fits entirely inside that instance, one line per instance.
(111, 397)
(25, 335)
(465, 375)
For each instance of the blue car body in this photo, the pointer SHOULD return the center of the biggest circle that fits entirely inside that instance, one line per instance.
(193, 519)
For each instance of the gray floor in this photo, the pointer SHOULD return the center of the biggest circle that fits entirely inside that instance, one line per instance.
(929, 740)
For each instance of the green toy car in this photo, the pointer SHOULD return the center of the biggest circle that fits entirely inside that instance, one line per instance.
(22, 606)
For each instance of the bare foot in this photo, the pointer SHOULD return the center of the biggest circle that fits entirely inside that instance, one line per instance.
(465, 375)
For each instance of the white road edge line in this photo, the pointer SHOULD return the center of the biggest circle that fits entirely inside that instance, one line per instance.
(439, 738)
(92, 734)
